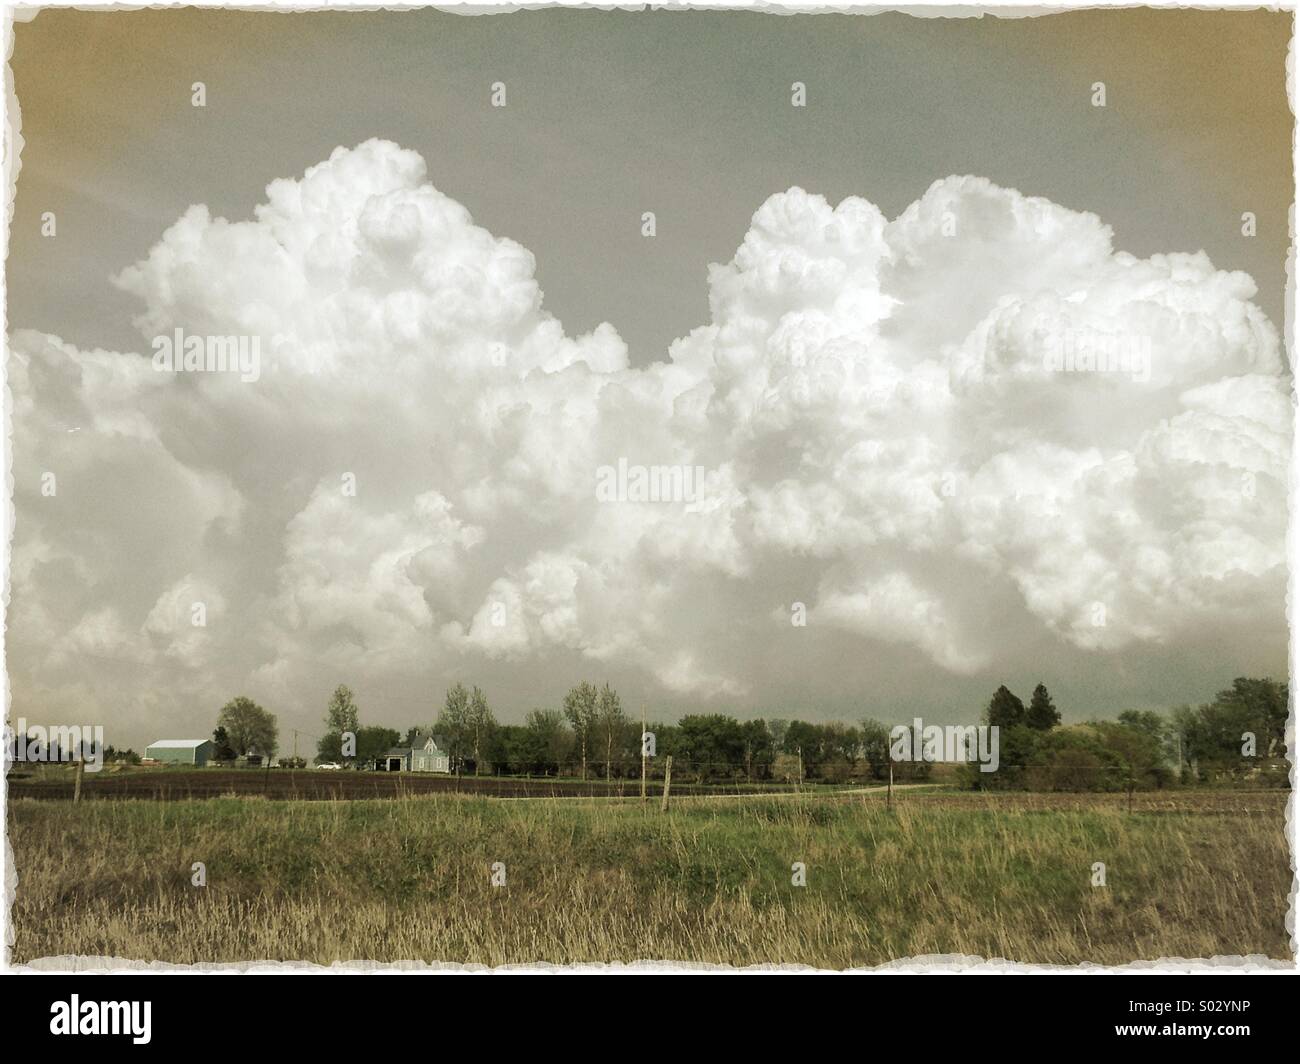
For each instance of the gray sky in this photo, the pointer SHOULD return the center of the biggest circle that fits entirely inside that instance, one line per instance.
(195, 490)
(615, 113)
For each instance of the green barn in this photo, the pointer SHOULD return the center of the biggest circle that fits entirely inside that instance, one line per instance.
(181, 751)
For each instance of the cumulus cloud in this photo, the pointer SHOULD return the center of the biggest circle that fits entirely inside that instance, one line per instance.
(974, 424)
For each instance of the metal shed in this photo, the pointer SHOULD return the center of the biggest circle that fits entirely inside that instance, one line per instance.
(181, 751)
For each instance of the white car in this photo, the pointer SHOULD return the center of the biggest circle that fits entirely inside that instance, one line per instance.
(329, 765)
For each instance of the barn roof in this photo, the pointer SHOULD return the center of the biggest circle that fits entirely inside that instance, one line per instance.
(178, 744)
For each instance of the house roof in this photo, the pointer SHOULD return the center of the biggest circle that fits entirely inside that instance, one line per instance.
(421, 740)
(178, 744)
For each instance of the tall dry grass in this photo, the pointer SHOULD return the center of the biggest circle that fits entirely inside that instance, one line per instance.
(591, 881)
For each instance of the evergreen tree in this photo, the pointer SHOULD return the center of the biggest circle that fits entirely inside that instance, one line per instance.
(1042, 715)
(1005, 709)
(224, 751)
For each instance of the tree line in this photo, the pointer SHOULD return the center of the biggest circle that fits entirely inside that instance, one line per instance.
(1238, 736)
(591, 735)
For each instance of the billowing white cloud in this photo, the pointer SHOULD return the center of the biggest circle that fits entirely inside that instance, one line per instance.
(971, 425)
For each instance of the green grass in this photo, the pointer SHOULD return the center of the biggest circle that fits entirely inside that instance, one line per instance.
(409, 879)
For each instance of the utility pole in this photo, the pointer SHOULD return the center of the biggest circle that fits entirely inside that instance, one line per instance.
(643, 751)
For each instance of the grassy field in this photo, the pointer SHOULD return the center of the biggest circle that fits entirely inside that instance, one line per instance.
(1192, 875)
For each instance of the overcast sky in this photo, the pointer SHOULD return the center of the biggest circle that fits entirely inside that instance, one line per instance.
(457, 306)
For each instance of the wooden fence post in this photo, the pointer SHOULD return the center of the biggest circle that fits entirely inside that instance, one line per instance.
(76, 788)
(668, 782)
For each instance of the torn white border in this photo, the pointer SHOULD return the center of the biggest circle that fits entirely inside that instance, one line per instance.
(931, 964)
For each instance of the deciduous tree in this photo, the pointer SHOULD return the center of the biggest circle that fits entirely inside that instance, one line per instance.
(580, 710)
(453, 722)
(479, 724)
(611, 723)
(250, 728)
